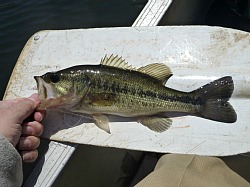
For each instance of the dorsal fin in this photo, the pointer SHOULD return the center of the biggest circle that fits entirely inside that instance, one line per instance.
(116, 61)
(157, 70)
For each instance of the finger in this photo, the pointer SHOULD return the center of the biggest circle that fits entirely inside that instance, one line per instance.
(22, 109)
(26, 106)
(32, 128)
(29, 156)
(39, 115)
(34, 97)
(28, 143)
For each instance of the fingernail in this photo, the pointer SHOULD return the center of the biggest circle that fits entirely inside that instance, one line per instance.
(34, 97)
(41, 119)
(29, 130)
(24, 143)
(26, 156)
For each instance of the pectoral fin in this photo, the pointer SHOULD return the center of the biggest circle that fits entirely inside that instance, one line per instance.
(156, 123)
(102, 122)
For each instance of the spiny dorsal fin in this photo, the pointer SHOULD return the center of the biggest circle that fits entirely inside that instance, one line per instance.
(157, 70)
(116, 61)
(156, 123)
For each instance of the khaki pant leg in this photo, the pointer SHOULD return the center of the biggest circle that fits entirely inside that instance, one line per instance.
(192, 170)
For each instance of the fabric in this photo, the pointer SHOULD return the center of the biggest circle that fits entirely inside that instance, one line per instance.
(191, 170)
(11, 174)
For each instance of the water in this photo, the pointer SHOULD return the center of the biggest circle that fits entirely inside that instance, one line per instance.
(20, 19)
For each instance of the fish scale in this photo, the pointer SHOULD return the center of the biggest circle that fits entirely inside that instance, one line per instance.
(129, 97)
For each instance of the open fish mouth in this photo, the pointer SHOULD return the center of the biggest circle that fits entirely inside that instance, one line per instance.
(45, 94)
(44, 89)
(48, 95)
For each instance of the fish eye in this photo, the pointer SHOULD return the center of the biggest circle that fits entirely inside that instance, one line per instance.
(54, 78)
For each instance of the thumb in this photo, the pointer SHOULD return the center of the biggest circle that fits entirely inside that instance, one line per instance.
(34, 97)
(24, 107)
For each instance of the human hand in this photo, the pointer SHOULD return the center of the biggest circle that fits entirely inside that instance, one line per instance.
(23, 135)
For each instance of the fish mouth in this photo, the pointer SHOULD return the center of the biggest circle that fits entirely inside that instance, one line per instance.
(45, 91)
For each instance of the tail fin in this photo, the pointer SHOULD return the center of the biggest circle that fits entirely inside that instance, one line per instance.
(216, 95)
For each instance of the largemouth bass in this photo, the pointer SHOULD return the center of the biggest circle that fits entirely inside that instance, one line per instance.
(114, 87)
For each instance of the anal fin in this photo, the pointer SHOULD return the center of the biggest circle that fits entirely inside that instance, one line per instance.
(156, 123)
